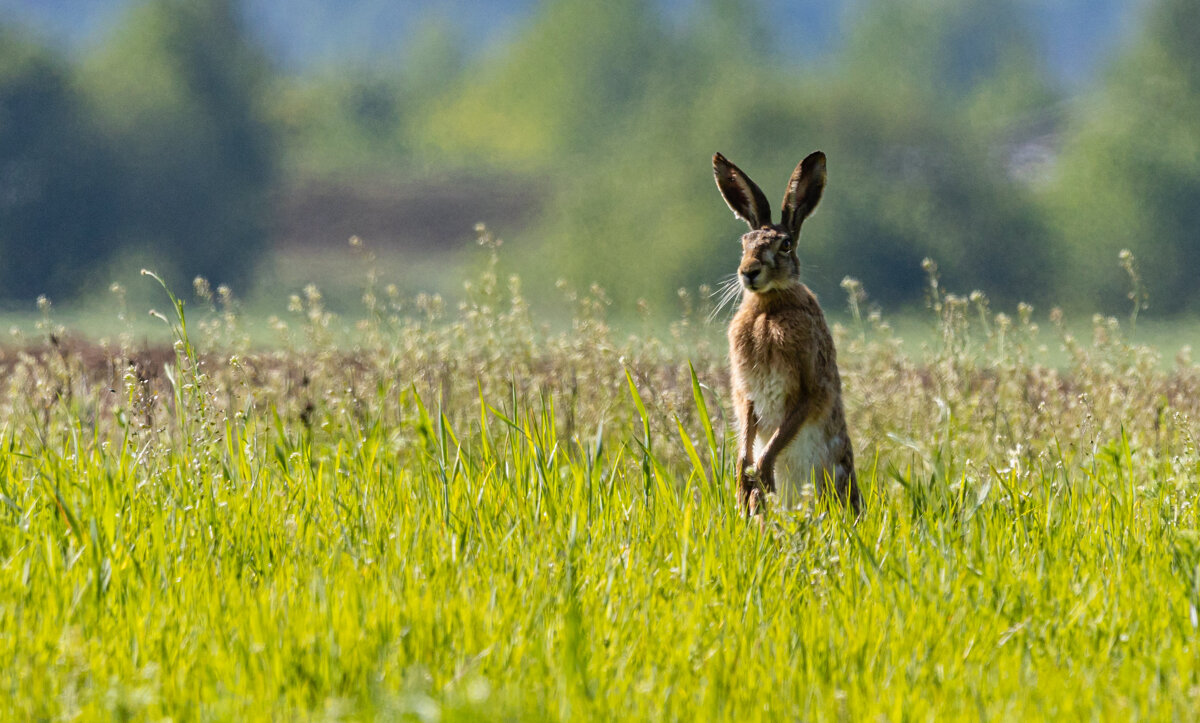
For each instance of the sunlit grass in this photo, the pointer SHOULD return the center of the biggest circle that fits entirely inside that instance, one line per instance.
(458, 514)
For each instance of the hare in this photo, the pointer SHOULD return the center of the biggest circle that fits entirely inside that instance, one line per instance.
(787, 393)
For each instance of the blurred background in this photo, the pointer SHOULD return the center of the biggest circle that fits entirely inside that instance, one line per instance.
(1019, 143)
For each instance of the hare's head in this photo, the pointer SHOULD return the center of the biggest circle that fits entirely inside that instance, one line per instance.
(769, 258)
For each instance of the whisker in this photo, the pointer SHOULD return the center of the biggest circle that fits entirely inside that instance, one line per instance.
(727, 291)
(723, 290)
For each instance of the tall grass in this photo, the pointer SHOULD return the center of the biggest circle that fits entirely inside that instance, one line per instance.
(456, 513)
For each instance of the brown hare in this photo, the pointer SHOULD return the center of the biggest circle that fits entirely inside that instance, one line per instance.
(787, 392)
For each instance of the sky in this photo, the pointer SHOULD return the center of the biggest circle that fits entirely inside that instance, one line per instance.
(1076, 35)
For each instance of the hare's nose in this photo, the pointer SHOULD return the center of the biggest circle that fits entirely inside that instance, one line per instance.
(749, 275)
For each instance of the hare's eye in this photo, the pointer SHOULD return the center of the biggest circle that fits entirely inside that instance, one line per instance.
(785, 245)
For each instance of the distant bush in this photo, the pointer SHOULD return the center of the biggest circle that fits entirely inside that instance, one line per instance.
(1130, 172)
(180, 94)
(912, 172)
(56, 214)
(929, 112)
(158, 145)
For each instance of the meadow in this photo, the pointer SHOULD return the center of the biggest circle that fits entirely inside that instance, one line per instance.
(436, 510)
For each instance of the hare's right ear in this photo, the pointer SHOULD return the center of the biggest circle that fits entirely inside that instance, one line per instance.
(743, 196)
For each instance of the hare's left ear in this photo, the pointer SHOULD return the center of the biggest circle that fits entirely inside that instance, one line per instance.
(742, 195)
(803, 192)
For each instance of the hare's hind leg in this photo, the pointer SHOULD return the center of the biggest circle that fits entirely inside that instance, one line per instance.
(845, 482)
(841, 464)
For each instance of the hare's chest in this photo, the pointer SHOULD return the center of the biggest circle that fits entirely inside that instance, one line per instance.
(768, 388)
(765, 351)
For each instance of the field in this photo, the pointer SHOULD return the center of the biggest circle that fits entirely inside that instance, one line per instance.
(456, 512)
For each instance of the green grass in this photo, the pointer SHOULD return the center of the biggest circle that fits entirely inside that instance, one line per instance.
(461, 515)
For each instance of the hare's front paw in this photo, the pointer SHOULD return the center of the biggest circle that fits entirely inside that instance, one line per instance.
(747, 482)
(766, 476)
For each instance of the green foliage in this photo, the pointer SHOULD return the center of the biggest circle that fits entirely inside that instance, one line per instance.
(558, 90)
(345, 119)
(179, 92)
(608, 113)
(943, 51)
(911, 176)
(1130, 172)
(55, 210)
(462, 516)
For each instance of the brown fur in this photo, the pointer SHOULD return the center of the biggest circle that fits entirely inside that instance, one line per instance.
(787, 392)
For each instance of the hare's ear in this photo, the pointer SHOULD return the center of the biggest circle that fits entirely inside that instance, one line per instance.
(743, 196)
(803, 192)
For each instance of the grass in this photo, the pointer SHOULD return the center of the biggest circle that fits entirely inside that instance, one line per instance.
(460, 514)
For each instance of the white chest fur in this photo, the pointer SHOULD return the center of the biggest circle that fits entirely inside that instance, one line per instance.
(768, 389)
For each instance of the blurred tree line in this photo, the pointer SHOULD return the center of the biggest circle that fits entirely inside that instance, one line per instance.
(153, 149)
(945, 135)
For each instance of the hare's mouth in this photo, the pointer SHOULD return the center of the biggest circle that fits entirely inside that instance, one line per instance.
(756, 282)
(766, 284)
